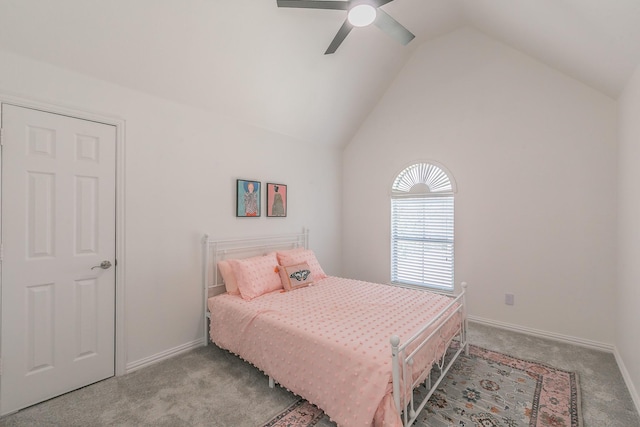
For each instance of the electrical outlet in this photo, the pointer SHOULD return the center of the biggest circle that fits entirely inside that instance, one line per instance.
(509, 299)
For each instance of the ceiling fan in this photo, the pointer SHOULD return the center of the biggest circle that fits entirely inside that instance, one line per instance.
(361, 13)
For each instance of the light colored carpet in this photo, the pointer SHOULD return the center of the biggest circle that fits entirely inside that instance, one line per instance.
(204, 387)
(210, 387)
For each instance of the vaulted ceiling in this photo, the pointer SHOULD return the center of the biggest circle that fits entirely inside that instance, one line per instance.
(264, 65)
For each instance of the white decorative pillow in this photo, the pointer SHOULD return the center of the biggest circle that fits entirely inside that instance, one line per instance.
(294, 257)
(295, 276)
(229, 279)
(257, 275)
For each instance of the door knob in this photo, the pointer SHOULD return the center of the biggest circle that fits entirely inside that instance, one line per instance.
(103, 265)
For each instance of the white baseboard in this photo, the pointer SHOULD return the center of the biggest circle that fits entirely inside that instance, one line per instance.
(627, 379)
(544, 334)
(147, 361)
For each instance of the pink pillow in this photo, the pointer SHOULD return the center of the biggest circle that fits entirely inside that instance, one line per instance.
(229, 279)
(290, 251)
(257, 275)
(296, 256)
(295, 276)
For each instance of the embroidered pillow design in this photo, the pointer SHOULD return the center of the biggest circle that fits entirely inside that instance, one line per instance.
(297, 256)
(295, 276)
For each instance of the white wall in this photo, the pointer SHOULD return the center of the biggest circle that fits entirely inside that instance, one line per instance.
(533, 153)
(181, 167)
(628, 291)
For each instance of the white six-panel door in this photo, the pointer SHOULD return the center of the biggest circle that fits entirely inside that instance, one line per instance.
(58, 222)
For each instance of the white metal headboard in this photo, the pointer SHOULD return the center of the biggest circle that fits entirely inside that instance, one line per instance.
(217, 250)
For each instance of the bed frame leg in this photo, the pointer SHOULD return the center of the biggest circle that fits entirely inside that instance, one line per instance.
(395, 343)
(272, 383)
(465, 322)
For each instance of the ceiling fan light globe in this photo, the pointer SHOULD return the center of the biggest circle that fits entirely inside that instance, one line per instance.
(362, 15)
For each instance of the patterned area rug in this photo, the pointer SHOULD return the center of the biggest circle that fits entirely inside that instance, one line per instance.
(486, 389)
(300, 414)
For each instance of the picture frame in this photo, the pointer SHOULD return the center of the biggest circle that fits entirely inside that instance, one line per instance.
(277, 200)
(248, 198)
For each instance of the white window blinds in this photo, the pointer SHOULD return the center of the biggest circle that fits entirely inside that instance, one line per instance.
(422, 229)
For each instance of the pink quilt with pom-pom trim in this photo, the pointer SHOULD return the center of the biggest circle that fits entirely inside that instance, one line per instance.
(329, 342)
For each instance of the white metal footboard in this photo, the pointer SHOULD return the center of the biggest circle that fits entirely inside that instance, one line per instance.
(405, 380)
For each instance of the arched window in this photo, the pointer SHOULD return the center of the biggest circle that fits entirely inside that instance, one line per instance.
(422, 227)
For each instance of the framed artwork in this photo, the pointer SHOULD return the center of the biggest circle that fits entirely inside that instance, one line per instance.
(276, 200)
(248, 198)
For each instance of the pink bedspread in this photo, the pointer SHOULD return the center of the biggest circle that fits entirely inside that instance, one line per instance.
(329, 342)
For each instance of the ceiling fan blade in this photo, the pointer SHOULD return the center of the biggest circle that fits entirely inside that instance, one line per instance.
(392, 27)
(340, 36)
(378, 3)
(315, 4)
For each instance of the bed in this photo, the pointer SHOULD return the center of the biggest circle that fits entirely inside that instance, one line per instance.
(355, 349)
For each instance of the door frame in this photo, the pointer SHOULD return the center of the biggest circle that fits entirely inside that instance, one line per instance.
(119, 123)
